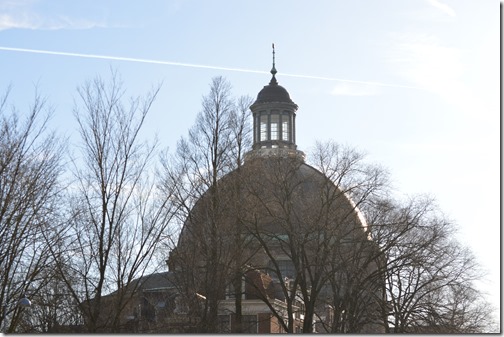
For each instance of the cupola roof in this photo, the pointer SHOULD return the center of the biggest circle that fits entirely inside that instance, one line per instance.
(273, 93)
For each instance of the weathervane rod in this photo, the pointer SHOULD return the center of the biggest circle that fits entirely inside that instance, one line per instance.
(273, 46)
(273, 70)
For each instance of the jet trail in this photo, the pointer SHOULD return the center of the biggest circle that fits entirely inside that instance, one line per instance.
(129, 59)
(192, 65)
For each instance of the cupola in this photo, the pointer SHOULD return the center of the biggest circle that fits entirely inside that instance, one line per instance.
(274, 116)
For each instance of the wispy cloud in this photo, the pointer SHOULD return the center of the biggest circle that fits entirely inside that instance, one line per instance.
(443, 7)
(17, 14)
(34, 21)
(355, 83)
(8, 21)
(21, 15)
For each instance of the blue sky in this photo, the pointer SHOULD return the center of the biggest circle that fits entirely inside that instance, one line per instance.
(414, 84)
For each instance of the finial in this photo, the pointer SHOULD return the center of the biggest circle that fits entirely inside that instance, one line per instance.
(273, 70)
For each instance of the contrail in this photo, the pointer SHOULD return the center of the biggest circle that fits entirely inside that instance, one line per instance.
(129, 59)
(192, 65)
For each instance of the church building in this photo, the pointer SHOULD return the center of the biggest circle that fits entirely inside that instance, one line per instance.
(276, 246)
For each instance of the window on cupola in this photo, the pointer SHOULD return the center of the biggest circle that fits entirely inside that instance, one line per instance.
(264, 128)
(275, 120)
(285, 128)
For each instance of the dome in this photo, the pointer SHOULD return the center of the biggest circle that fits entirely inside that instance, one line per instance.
(250, 199)
(273, 93)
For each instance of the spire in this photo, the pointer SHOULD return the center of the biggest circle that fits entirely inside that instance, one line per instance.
(273, 70)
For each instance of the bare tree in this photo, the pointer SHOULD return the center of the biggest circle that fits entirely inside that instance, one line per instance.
(422, 262)
(241, 134)
(30, 167)
(52, 310)
(458, 308)
(306, 224)
(117, 218)
(213, 149)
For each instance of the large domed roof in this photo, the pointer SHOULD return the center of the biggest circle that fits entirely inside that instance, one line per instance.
(252, 195)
